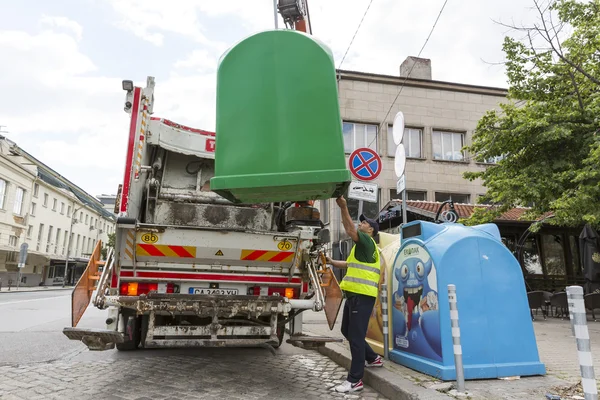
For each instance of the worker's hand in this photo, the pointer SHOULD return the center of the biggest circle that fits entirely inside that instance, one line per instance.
(329, 260)
(341, 202)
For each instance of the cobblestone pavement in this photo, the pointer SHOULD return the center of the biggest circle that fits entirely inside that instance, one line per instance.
(556, 346)
(213, 374)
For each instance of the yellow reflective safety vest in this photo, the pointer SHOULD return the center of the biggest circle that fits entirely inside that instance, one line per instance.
(362, 277)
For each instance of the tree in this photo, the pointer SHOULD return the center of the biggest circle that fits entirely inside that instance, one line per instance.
(110, 244)
(548, 133)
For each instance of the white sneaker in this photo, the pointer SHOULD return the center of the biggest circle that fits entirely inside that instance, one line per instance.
(349, 387)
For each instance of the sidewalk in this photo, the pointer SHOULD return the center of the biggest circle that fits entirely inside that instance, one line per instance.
(557, 348)
(14, 289)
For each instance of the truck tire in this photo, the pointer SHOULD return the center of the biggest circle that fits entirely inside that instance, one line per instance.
(131, 344)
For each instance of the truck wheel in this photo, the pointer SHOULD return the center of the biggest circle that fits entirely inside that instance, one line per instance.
(280, 333)
(135, 326)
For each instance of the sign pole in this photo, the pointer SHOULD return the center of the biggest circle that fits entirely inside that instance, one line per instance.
(404, 207)
(400, 160)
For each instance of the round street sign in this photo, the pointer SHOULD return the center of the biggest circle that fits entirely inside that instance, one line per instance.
(400, 161)
(365, 164)
(398, 128)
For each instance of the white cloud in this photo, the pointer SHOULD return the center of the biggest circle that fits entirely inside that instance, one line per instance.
(200, 60)
(148, 18)
(63, 22)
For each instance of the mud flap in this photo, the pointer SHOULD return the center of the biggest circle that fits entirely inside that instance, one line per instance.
(82, 293)
(95, 339)
(333, 296)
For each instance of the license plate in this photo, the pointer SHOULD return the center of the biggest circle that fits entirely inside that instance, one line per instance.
(213, 291)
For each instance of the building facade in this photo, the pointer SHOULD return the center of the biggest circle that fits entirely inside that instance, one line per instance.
(440, 118)
(108, 201)
(57, 219)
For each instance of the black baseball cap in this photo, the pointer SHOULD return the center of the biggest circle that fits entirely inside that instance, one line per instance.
(374, 224)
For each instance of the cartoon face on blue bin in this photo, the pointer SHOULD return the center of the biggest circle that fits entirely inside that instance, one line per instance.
(415, 305)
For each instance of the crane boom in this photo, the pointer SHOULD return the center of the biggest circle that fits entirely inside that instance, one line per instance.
(295, 14)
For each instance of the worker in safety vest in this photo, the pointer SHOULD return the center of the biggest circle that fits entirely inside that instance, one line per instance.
(360, 286)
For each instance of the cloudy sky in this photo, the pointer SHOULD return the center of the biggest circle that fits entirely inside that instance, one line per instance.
(62, 62)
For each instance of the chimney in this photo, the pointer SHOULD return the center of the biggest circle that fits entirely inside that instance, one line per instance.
(421, 69)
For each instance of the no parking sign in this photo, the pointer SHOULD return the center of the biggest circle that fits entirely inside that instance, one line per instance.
(365, 164)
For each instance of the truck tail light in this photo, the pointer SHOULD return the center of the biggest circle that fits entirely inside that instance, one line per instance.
(137, 288)
(170, 288)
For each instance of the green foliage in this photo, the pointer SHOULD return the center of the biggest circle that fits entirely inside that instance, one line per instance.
(110, 244)
(548, 130)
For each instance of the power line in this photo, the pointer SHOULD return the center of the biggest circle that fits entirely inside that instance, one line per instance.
(355, 32)
(409, 72)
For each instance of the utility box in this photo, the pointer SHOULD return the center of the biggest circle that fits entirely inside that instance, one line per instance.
(497, 335)
(278, 127)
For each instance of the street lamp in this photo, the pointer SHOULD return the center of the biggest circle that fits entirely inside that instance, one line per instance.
(69, 244)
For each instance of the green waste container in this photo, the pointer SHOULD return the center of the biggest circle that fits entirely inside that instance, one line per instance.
(278, 126)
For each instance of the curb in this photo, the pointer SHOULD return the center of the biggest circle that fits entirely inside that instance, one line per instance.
(3, 291)
(387, 383)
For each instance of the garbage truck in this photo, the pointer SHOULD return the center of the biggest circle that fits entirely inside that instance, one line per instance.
(218, 241)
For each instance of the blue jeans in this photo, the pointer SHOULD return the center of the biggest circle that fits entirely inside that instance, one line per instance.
(355, 323)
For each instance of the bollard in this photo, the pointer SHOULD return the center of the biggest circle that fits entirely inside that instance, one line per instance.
(384, 316)
(458, 361)
(582, 336)
(570, 306)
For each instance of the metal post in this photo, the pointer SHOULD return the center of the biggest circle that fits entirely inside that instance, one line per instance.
(582, 336)
(360, 211)
(404, 221)
(19, 279)
(275, 14)
(458, 361)
(384, 316)
(69, 244)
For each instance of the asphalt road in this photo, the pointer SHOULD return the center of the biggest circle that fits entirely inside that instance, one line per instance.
(38, 362)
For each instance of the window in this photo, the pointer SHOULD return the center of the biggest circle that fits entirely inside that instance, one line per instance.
(371, 210)
(19, 197)
(448, 146)
(412, 141)
(35, 270)
(54, 203)
(359, 135)
(410, 195)
(64, 247)
(87, 217)
(71, 242)
(77, 245)
(83, 242)
(456, 197)
(39, 238)
(13, 241)
(81, 216)
(45, 200)
(62, 208)
(36, 190)
(57, 241)
(3, 186)
(29, 231)
(324, 211)
(69, 211)
(49, 240)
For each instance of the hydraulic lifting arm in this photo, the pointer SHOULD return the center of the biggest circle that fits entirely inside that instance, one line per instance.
(295, 14)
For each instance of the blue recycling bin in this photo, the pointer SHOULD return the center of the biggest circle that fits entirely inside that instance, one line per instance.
(497, 335)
